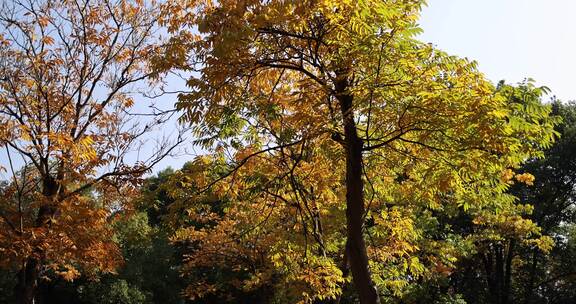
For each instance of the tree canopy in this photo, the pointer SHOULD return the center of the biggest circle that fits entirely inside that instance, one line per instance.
(343, 160)
(337, 102)
(66, 71)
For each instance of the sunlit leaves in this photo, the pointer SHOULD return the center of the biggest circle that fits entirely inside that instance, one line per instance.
(68, 70)
(438, 139)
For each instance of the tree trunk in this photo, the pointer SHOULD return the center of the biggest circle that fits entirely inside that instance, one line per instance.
(27, 287)
(27, 282)
(499, 273)
(355, 245)
(498, 266)
(508, 272)
(490, 275)
(532, 278)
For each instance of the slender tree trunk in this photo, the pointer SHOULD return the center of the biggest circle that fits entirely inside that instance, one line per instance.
(490, 276)
(499, 273)
(27, 282)
(498, 266)
(345, 271)
(508, 272)
(28, 276)
(355, 245)
(532, 278)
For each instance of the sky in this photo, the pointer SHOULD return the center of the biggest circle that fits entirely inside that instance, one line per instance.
(510, 39)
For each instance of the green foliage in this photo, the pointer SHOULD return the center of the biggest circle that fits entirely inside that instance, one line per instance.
(115, 292)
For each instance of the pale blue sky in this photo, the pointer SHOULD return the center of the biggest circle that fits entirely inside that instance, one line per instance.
(510, 39)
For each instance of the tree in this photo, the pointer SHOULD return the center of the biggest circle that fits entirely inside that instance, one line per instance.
(517, 262)
(149, 273)
(547, 277)
(513, 232)
(67, 70)
(345, 81)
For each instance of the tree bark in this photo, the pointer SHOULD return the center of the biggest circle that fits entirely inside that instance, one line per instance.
(27, 282)
(528, 291)
(499, 273)
(355, 244)
(498, 266)
(508, 272)
(28, 276)
(490, 275)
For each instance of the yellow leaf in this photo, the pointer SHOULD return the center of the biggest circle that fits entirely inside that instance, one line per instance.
(48, 40)
(43, 21)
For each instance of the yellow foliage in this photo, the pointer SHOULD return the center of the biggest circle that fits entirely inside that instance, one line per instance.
(526, 178)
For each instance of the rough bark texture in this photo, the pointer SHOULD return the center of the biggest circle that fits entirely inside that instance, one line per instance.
(355, 244)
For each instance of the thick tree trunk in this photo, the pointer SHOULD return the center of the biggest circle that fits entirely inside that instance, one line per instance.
(355, 245)
(499, 273)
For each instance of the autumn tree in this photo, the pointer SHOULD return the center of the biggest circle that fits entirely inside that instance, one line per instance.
(310, 104)
(511, 232)
(510, 264)
(546, 277)
(68, 71)
(499, 236)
